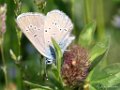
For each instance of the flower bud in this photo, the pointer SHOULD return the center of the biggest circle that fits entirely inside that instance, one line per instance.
(2, 19)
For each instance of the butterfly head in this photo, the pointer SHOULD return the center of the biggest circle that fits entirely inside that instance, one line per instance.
(49, 61)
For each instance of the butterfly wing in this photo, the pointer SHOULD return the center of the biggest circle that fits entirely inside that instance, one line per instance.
(57, 25)
(32, 25)
(65, 42)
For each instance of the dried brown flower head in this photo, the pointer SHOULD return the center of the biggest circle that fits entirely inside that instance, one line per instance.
(75, 65)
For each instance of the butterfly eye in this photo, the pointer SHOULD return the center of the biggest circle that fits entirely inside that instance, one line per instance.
(49, 28)
(60, 29)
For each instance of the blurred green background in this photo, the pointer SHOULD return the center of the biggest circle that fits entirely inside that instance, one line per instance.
(106, 13)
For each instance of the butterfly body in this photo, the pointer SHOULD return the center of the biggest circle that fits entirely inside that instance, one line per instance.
(39, 29)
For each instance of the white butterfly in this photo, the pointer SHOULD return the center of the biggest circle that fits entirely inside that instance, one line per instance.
(39, 29)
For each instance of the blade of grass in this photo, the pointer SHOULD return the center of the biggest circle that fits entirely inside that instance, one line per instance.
(37, 85)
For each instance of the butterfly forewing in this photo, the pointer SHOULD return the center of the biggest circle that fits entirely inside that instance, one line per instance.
(32, 25)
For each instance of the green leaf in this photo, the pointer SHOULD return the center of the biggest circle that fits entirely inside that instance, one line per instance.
(40, 87)
(59, 55)
(52, 71)
(107, 78)
(92, 88)
(54, 77)
(87, 35)
(98, 49)
(97, 52)
(57, 85)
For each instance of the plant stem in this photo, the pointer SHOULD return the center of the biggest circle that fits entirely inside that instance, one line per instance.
(72, 9)
(19, 35)
(87, 11)
(4, 62)
(100, 20)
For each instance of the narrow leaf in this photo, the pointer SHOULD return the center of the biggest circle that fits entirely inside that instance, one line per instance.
(40, 87)
(59, 55)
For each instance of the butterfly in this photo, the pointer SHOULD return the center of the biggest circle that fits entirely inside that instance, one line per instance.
(39, 29)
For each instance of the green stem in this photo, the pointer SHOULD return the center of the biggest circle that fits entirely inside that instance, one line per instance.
(18, 63)
(19, 43)
(100, 20)
(4, 62)
(72, 9)
(87, 11)
(19, 76)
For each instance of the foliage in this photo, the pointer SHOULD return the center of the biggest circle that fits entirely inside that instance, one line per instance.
(96, 28)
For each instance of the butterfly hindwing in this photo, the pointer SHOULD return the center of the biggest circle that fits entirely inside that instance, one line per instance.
(57, 26)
